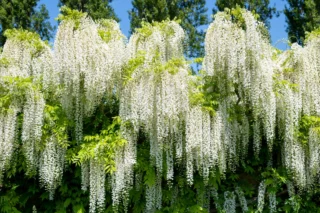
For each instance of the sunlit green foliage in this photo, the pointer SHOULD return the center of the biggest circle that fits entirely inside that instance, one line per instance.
(97, 9)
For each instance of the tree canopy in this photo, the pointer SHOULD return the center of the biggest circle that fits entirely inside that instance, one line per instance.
(302, 16)
(23, 14)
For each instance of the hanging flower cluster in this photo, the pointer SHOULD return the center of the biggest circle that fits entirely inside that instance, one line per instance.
(32, 127)
(242, 199)
(298, 100)
(154, 97)
(272, 202)
(7, 136)
(17, 67)
(125, 158)
(27, 56)
(51, 165)
(26, 74)
(204, 147)
(230, 202)
(97, 186)
(87, 57)
(261, 196)
(239, 57)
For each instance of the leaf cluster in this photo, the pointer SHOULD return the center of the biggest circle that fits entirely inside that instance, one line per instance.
(101, 146)
(30, 39)
(68, 14)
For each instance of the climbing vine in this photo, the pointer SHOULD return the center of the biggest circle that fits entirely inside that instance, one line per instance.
(101, 124)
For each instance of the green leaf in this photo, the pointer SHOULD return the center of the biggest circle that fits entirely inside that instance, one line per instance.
(67, 202)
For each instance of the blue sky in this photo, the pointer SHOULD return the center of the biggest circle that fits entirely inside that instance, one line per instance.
(121, 7)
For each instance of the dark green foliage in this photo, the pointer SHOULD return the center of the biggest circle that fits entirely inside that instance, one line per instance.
(301, 16)
(40, 23)
(23, 14)
(148, 11)
(260, 7)
(20, 193)
(96, 9)
(192, 15)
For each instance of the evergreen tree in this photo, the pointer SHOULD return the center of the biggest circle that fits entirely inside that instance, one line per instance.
(192, 14)
(260, 7)
(23, 14)
(40, 23)
(301, 16)
(96, 9)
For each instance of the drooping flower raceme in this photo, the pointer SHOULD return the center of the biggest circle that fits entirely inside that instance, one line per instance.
(242, 199)
(51, 165)
(229, 202)
(272, 202)
(87, 63)
(261, 196)
(239, 57)
(32, 127)
(8, 130)
(24, 61)
(88, 56)
(97, 186)
(297, 88)
(154, 95)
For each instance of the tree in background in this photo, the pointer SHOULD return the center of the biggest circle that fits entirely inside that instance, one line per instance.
(192, 14)
(97, 9)
(40, 23)
(23, 14)
(301, 16)
(260, 7)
